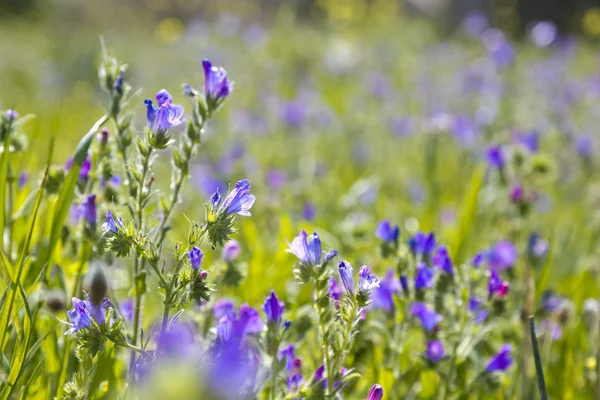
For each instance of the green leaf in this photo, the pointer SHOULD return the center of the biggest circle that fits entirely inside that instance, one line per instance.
(538, 361)
(4, 177)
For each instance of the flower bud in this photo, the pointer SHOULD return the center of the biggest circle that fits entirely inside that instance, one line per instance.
(97, 283)
(55, 301)
(376, 393)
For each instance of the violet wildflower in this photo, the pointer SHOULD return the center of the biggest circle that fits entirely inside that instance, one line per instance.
(544, 33)
(309, 211)
(551, 301)
(307, 248)
(501, 361)
(112, 225)
(584, 145)
(347, 276)
(11, 115)
(335, 290)
(496, 286)
(177, 342)
(435, 350)
(478, 260)
(441, 259)
(383, 296)
(275, 178)
(88, 210)
(23, 178)
(166, 115)
(330, 255)
(231, 251)
(86, 167)
(319, 374)
(537, 247)
(216, 83)
(288, 353)
(387, 232)
(79, 316)
(422, 244)
(404, 284)
(495, 157)
(529, 140)
(366, 280)
(376, 393)
(224, 308)
(238, 201)
(517, 194)
(428, 317)
(475, 23)
(475, 308)
(502, 256)
(195, 256)
(273, 308)
(424, 277)
(499, 48)
(127, 307)
(119, 82)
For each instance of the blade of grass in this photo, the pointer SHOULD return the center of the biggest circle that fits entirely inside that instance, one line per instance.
(538, 361)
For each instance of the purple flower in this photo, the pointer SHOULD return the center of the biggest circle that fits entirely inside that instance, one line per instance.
(84, 172)
(495, 157)
(475, 23)
(238, 201)
(288, 353)
(275, 178)
(529, 140)
(112, 224)
(347, 276)
(307, 248)
(376, 393)
(435, 350)
(478, 260)
(176, 342)
(309, 211)
(383, 296)
(536, 246)
(224, 308)
(424, 277)
(118, 86)
(404, 284)
(335, 290)
(544, 33)
(441, 259)
(127, 307)
(166, 115)
(273, 308)
(496, 285)
(517, 193)
(195, 256)
(387, 232)
(319, 374)
(11, 114)
(231, 251)
(501, 361)
(366, 280)
(329, 256)
(499, 48)
(216, 84)
(23, 177)
(584, 145)
(249, 321)
(294, 113)
(429, 318)
(502, 256)
(80, 317)
(551, 301)
(475, 308)
(422, 244)
(88, 210)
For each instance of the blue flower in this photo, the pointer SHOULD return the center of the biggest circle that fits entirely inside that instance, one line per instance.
(347, 276)
(335, 290)
(387, 232)
(273, 308)
(502, 256)
(80, 317)
(86, 167)
(366, 280)
(478, 260)
(376, 393)
(435, 350)
(421, 244)
(88, 210)
(529, 140)
(112, 224)
(238, 201)
(288, 353)
(429, 318)
(216, 83)
(119, 82)
(307, 248)
(495, 157)
(195, 256)
(424, 277)
(383, 296)
(11, 114)
(166, 115)
(231, 251)
(501, 361)
(441, 260)
(475, 308)
(496, 285)
(404, 283)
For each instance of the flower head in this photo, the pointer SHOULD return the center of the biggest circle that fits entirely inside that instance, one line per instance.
(273, 308)
(441, 259)
(383, 296)
(80, 317)
(376, 393)
(366, 280)
(11, 114)
(112, 224)
(496, 286)
(495, 157)
(501, 361)
(387, 232)
(307, 248)
(429, 318)
(88, 210)
(502, 256)
(166, 115)
(422, 244)
(424, 277)
(216, 84)
(347, 276)
(238, 201)
(435, 350)
(195, 256)
(231, 251)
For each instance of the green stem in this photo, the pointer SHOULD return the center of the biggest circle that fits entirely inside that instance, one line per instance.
(538, 362)
(8, 218)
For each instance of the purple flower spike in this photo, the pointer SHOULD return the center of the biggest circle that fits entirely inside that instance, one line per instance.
(238, 201)
(424, 277)
(216, 84)
(273, 308)
(429, 318)
(166, 115)
(435, 350)
(501, 361)
(195, 256)
(347, 276)
(495, 157)
(307, 248)
(387, 232)
(376, 393)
